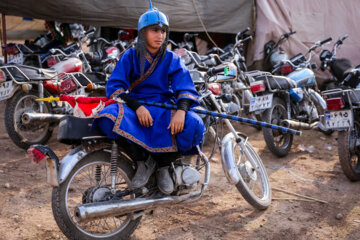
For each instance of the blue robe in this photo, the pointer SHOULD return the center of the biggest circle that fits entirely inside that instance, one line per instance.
(169, 82)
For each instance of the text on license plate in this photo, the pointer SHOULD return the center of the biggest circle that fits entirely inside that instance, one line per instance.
(261, 102)
(339, 119)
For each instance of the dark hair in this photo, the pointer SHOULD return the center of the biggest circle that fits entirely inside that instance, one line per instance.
(141, 46)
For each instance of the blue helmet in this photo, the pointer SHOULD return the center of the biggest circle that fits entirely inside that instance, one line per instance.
(151, 17)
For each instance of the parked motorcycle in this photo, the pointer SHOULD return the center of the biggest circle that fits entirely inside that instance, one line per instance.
(338, 67)
(28, 121)
(274, 55)
(92, 198)
(343, 115)
(289, 101)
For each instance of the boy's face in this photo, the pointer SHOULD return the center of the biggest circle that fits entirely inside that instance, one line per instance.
(155, 36)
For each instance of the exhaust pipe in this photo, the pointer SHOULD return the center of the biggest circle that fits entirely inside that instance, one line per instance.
(91, 211)
(28, 118)
(298, 125)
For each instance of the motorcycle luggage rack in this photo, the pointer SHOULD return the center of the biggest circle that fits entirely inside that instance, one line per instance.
(266, 75)
(352, 95)
(13, 72)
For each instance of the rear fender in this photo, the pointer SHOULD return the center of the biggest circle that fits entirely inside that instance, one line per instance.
(69, 162)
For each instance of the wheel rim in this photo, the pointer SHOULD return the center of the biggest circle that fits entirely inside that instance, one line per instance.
(76, 189)
(278, 114)
(33, 132)
(251, 170)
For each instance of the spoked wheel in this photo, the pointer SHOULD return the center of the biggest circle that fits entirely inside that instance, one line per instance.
(24, 135)
(349, 155)
(279, 143)
(90, 182)
(253, 182)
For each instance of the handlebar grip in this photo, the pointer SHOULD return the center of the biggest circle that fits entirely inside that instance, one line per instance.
(244, 31)
(347, 78)
(89, 31)
(205, 59)
(213, 71)
(345, 37)
(326, 41)
(246, 39)
(224, 55)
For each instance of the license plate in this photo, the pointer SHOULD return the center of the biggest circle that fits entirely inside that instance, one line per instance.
(6, 89)
(339, 119)
(18, 58)
(261, 102)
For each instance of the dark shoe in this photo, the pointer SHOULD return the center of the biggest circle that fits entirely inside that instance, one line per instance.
(143, 173)
(164, 180)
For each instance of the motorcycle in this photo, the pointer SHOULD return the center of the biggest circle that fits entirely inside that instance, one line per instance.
(288, 101)
(273, 55)
(343, 115)
(337, 67)
(91, 196)
(28, 121)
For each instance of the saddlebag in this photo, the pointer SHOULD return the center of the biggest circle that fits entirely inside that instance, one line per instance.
(73, 129)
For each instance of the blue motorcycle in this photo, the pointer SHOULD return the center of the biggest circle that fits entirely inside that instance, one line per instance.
(289, 100)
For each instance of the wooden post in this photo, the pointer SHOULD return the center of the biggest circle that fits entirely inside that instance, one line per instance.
(3, 21)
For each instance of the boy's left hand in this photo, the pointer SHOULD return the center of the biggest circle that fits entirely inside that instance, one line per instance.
(177, 122)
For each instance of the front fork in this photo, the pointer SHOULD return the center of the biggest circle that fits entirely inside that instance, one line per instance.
(227, 153)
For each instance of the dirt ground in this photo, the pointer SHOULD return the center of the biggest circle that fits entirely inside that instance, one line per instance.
(222, 213)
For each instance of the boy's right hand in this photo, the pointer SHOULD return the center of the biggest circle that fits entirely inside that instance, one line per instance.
(144, 117)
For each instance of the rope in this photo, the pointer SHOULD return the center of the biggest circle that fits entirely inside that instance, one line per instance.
(202, 24)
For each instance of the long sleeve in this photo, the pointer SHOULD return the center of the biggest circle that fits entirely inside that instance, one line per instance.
(181, 82)
(119, 80)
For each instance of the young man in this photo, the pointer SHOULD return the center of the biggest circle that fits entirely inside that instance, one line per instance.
(150, 72)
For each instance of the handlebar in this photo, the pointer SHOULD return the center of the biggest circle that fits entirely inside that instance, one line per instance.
(341, 40)
(189, 36)
(215, 70)
(325, 41)
(88, 32)
(287, 35)
(239, 35)
(54, 50)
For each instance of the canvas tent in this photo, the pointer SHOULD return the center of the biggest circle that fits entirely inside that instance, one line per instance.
(226, 16)
(313, 20)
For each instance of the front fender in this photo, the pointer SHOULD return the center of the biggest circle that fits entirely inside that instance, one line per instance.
(69, 161)
(227, 157)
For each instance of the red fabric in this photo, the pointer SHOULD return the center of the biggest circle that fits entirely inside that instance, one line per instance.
(86, 104)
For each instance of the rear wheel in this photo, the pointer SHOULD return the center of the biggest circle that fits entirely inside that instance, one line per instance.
(349, 155)
(279, 143)
(90, 182)
(24, 135)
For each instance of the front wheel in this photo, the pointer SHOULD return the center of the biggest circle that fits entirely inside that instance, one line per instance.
(24, 135)
(90, 182)
(253, 182)
(349, 155)
(279, 143)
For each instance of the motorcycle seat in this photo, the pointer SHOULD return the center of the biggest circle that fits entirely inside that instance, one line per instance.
(73, 129)
(33, 73)
(95, 77)
(278, 82)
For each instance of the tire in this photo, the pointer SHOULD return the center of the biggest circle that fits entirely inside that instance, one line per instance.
(70, 188)
(278, 142)
(26, 135)
(251, 169)
(349, 159)
(328, 132)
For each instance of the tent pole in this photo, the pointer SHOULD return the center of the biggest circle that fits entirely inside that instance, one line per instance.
(4, 35)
